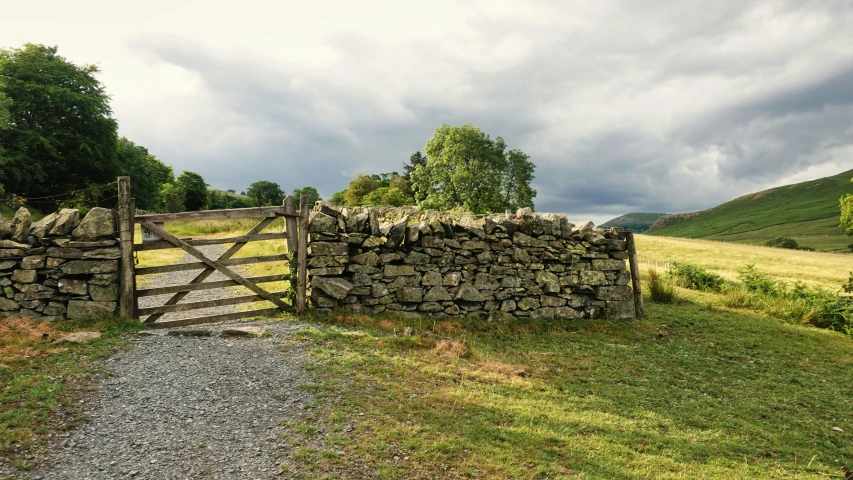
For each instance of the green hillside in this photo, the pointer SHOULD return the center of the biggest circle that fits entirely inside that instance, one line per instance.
(807, 212)
(635, 222)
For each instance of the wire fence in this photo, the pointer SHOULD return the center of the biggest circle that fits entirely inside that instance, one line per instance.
(92, 196)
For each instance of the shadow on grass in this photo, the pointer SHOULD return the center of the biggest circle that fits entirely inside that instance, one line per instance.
(691, 391)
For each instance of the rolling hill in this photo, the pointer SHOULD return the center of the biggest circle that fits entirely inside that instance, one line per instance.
(807, 212)
(635, 222)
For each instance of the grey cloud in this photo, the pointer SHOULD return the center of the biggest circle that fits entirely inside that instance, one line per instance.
(314, 130)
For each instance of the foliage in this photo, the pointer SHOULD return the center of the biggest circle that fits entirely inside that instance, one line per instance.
(846, 206)
(387, 196)
(848, 287)
(467, 169)
(339, 198)
(695, 277)
(359, 188)
(417, 159)
(61, 136)
(193, 190)
(147, 174)
(755, 281)
(807, 212)
(311, 192)
(216, 200)
(265, 193)
(661, 290)
(172, 198)
(782, 242)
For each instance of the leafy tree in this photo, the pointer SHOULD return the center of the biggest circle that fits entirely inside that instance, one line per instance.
(313, 195)
(193, 189)
(339, 198)
(416, 159)
(359, 187)
(387, 196)
(467, 169)
(61, 134)
(217, 200)
(782, 242)
(172, 198)
(147, 173)
(847, 215)
(517, 178)
(265, 192)
(4, 111)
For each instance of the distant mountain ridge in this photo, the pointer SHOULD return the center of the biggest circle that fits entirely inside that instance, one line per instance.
(637, 222)
(807, 212)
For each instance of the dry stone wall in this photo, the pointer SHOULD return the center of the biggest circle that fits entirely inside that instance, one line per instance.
(439, 264)
(59, 267)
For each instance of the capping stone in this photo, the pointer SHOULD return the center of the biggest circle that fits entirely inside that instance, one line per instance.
(40, 228)
(21, 225)
(67, 219)
(98, 223)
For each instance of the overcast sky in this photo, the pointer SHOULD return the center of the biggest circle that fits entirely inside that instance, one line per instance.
(623, 106)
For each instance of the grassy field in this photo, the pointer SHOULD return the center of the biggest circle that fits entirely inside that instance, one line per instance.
(807, 212)
(827, 270)
(691, 392)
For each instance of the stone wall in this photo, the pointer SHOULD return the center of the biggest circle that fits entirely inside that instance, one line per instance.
(440, 264)
(60, 267)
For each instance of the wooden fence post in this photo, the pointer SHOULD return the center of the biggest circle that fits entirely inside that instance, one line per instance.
(639, 312)
(302, 265)
(125, 229)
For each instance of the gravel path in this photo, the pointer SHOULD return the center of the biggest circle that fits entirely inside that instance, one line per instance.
(180, 406)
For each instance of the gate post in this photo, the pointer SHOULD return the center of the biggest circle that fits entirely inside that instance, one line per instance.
(302, 249)
(639, 312)
(125, 229)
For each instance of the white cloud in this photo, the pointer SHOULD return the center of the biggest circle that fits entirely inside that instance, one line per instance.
(624, 106)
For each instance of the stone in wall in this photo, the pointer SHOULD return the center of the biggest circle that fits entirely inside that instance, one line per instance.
(52, 278)
(442, 264)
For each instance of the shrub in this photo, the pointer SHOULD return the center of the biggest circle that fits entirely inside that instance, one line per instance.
(756, 281)
(695, 277)
(661, 290)
(783, 242)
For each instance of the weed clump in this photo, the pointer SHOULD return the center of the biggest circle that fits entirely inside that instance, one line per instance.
(695, 277)
(661, 289)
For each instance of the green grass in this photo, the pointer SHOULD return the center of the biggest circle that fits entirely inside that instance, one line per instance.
(818, 269)
(691, 392)
(807, 212)
(635, 222)
(39, 381)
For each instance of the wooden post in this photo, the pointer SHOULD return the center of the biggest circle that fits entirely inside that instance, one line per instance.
(302, 261)
(125, 229)
(290, 225)
(635, 276)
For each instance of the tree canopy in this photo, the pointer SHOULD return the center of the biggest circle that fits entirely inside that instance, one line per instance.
(313, 195)
(61, 135)
(193, 190)
(466, 169)
(265, 192)
(847, 214)
(147, 173)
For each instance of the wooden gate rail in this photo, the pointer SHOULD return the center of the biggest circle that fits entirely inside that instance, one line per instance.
(212, 241)
(230, 214)
(180, 267)
(192, 287)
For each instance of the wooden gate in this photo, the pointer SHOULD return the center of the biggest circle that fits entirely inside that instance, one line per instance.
(155, 225)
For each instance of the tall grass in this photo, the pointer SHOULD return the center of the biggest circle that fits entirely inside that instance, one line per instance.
(660, 289)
